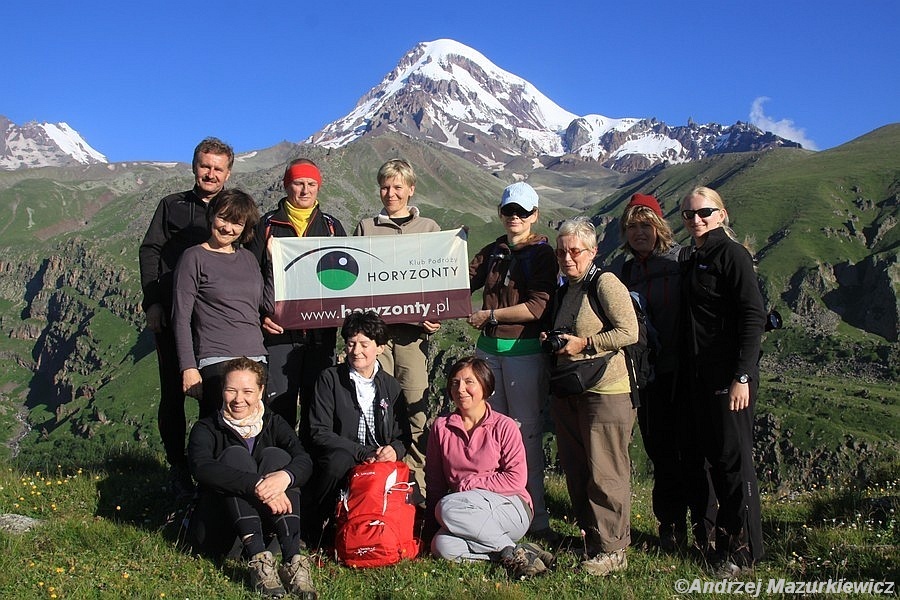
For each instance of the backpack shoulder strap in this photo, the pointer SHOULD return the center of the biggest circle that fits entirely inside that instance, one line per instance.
(589, 285)
(329, 221)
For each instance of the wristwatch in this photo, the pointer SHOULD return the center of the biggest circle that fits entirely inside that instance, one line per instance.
(492, 320)
(742, 378)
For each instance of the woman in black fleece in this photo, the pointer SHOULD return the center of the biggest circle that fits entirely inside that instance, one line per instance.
(722, 324)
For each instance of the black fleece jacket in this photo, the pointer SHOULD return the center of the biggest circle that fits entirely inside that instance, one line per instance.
(178, 223)
(209, 438)
(724, 309)
(334, 414)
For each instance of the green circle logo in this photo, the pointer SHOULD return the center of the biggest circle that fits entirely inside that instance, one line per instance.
(337, 270)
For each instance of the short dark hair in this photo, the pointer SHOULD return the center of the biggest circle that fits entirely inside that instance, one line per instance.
(213, 145)
(245, 364)
(367, 323)
(301, 161)
(235, 206)
(480, 369)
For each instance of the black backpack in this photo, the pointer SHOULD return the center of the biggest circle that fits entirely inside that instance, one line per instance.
(640, 357)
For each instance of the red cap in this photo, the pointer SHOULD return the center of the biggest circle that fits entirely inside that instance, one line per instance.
(645, 200)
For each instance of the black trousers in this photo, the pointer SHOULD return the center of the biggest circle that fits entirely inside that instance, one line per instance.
(170, 416)
(295, 362)
(726, 439)
(321, 493)
(681, 482)
(251, 518)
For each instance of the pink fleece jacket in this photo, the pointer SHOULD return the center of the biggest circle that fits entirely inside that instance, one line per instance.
(490, 457)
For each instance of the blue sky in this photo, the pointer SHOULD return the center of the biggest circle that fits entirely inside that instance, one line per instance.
(147, 81)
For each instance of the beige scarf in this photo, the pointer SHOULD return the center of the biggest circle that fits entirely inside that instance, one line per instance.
(249, 426)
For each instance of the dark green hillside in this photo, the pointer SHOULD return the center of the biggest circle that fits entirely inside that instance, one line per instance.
(78, 365)
(76, 357)
(822, 225)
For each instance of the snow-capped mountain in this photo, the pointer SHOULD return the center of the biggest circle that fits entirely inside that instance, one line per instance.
(449, 93)
(43, 145)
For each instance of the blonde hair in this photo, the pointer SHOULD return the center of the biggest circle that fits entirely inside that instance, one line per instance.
(714, 197)
(643, 214)
(397, 167)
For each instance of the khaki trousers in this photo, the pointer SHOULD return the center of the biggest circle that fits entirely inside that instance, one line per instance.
(405, 357)
(593, 432)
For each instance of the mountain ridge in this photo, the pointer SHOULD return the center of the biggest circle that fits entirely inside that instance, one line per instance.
(43, 145)
(452, 94)
(80, 363)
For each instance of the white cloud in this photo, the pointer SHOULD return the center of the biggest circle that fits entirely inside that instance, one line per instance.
(784, 128)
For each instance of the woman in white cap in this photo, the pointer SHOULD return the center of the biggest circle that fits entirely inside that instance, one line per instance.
(518, 272)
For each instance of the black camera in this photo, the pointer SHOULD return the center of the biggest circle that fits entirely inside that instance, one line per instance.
(773, 320)
(554, 343)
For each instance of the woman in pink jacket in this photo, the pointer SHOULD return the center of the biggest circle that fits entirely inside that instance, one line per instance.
(476, 474)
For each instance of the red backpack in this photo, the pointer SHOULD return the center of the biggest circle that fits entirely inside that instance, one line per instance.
(375, 517)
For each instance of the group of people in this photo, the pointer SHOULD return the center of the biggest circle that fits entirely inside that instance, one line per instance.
(281, 424)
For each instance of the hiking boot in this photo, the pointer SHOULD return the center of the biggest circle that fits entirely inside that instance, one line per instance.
(521, 563)
(605, 563)
(726, 569)
(263, 576)
(297, 578)
(545, 557)
(672, 538)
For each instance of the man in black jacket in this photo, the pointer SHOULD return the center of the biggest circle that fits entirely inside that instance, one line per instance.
(178, 223)
(296, 357)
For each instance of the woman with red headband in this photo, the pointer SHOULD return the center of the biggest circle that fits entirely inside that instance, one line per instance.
(296, 357)
(680, 479)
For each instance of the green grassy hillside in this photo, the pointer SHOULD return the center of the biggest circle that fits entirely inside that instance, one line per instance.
(77, 361)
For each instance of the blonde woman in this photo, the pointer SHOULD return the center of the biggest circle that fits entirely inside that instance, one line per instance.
(723, 318)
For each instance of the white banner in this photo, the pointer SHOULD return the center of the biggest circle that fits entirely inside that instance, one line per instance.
(406, 278)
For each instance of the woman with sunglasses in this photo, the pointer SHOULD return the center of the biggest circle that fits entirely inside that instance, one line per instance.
(723, 317)
(680, 479)
(593, 428)
(518, 274)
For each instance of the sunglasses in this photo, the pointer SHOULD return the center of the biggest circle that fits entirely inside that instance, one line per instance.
(515, 210)
(704, 213)
(573, 252)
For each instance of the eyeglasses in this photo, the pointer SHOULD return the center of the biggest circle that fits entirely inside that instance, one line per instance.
(515, 210)
(704, 213)
(573, 252)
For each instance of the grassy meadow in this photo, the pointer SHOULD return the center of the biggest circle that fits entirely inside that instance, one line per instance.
(113, 532)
